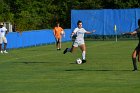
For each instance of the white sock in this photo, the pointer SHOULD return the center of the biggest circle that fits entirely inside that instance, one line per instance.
(84, 55)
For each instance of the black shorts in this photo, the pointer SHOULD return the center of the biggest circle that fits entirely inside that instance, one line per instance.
(138, 48)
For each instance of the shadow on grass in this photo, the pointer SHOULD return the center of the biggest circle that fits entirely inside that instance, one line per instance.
(33, 62)
(94, 70)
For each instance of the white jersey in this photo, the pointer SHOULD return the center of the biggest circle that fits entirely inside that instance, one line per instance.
(2, 31)
(79, 32)
(80, 36)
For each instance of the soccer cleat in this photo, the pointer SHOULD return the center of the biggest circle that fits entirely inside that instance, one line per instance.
(84, 61)
(1, 52)
(5, 51)
(135, 70)
(65, 51)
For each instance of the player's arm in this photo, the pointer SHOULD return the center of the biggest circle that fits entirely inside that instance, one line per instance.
(130, 33)
(62, 31)
(72, 34)
(6, 31)
(88, 32)
(54, 32)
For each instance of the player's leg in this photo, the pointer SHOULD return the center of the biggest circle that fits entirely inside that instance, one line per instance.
(74, 46)
(5, 44)
(69, 49)
(1, 44)
(57, 41)
(59, 44)
(83, 49)
(134, 55)
(139, 56)
(1, 48)
(72, 49)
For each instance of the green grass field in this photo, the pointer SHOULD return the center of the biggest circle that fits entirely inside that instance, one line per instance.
(44, 70)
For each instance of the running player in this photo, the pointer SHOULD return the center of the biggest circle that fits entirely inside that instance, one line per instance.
(136, 51)
(3, 32)
(79, 41)
(58, 32)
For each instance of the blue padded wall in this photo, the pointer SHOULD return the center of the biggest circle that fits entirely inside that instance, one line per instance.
(33, 38)
(104, 20)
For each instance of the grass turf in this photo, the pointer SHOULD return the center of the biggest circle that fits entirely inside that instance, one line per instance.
(43, 69)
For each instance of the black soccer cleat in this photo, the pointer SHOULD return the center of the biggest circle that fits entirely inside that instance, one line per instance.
(65, 51)
(135, 70)
(84, 61)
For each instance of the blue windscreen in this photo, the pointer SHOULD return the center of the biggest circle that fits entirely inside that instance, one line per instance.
(34, 38)
(104, 20)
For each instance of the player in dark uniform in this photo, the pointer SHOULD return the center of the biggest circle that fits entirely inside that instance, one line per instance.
(136, 51)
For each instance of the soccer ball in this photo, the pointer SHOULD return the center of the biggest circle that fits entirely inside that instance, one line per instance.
(78, 61)
(62, 32)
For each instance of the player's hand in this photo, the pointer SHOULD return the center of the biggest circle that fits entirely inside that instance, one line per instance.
(71, 36)
(64, 35)
(93, 31)
(123, 33)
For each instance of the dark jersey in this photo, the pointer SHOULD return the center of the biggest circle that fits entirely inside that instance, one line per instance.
(138, 34)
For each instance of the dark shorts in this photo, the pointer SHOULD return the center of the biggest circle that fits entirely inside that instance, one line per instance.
(138, 48)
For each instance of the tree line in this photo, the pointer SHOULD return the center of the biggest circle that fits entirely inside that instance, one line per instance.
(43, 14)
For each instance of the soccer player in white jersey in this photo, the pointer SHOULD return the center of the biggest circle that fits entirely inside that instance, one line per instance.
(3, 32)
(79, 41)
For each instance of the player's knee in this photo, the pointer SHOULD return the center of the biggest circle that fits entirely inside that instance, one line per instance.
(133, 56)
(72, 49)
(58, 41)
(84, 51)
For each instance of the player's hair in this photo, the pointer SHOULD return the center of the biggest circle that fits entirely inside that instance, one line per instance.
(1, 24)
(57, 23)
(139, 22)
(79, 21)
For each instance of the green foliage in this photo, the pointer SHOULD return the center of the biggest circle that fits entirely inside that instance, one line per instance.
(5, 14)
(43, 14)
